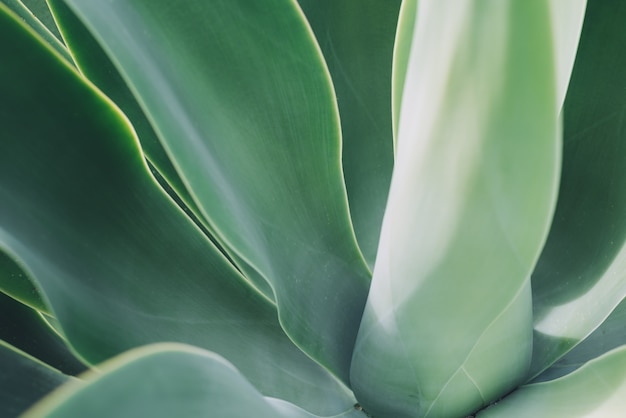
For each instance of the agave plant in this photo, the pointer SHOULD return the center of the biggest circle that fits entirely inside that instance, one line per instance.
(315, 208)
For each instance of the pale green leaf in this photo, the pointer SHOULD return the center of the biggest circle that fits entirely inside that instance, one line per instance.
(448, 324)
(15, 283)
(401, 53)
(596, 390)
(240, 96)
(117, 260)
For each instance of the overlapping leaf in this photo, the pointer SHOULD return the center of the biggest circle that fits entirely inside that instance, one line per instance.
(596, 390)
(248, 115)
(119, 263)
(448, 323)
(580, 276)
(166, 380)
(24, 380)
(357, 42)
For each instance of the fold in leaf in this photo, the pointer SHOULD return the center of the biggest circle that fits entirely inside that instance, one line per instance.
(448, 324)
(596, 390)
(24, 380)
(584, 259)
(249, 117)
(166, 380)
(357, 41)
(117, 260)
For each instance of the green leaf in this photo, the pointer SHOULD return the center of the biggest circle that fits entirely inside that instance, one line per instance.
(47, 31)
(118, 261)
(611, 334)
(567, 23)
(584, 259)
(24, 380)
(448, 324)
(357, 41)
(41, 10)
(401, 53)
(239, 94)
(165, 380)
(598, 389)
(25, 329)
(15, 283)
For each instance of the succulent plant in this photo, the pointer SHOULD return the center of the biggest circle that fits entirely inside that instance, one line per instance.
(321, 208)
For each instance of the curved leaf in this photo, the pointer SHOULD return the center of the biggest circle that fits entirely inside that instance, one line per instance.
(357, 41)
(164, 380)
(401, 53)
(448, 323)
(35, 22)
(598, 389)
(24, 380)
(611, 334)
(15, 283)
(567, 19)
(119, 263)
(239, 94)
(584, 259)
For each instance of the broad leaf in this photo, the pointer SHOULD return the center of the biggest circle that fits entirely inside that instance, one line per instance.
(166, 380)
(448, 324)
(248, 115)
(597, 389)
(24, 380)
(357, 41)
(584, 260)
(119, 263)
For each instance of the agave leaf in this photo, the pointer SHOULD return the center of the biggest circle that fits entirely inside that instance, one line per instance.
(24, 380)
(24, 328)
(118, 261)
(15, 283)
(611, 334)
(567, 23)
(239, 94)
(97, 67)
(164, 380)
(33, 16)
(598, 389)
(357, 41)
(448, 324)
(584, 260)
(40, 9)
(401, 53)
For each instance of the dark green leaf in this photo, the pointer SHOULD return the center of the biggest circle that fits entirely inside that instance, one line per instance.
(357, 41)
(238, 93)
(118, 261)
